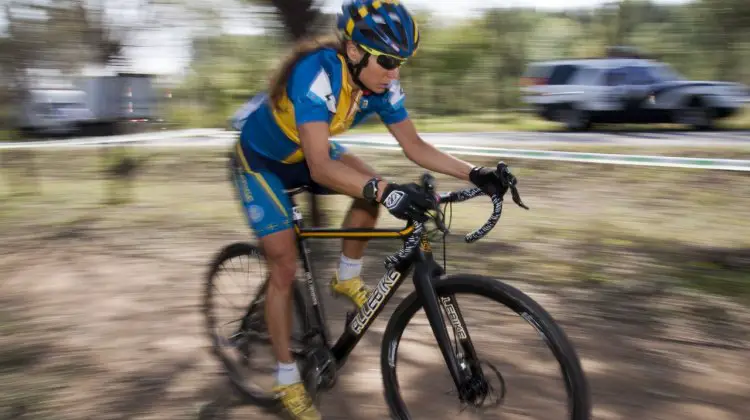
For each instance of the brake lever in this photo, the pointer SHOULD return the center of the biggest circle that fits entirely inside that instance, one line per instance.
(517, 197)
(439, 221)
(428, 183)
(510, 181)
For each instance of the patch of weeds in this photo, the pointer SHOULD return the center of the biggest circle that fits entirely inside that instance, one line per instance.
(715, 278)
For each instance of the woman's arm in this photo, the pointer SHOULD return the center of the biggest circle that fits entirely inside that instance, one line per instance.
(426, 155)
(328, 172)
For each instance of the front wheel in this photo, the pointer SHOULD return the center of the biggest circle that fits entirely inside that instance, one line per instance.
(474, 300)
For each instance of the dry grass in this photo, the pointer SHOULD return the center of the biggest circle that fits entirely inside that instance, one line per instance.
(588, 222)
(644, 267)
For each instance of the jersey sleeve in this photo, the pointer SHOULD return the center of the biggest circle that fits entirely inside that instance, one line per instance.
(310, 91)
(393, 110)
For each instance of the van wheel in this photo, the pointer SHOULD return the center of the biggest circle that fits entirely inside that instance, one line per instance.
(574, 119)
(696, 114)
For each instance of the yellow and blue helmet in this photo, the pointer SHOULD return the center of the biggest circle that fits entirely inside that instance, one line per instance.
(380, 27)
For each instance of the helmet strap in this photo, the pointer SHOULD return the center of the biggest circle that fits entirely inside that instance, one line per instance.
(356, 69)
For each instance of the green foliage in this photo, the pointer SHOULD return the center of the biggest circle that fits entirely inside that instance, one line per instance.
(475, 66)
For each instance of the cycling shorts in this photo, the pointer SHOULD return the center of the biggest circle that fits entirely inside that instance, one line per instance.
(261, 183)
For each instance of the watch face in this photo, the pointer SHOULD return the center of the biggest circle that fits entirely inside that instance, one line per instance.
(370, 191)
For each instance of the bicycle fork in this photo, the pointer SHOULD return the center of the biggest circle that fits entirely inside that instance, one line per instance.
(426, 269)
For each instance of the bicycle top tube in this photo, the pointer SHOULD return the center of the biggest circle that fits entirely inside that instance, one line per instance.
(413, 230)
(377, 233)
(359, 233)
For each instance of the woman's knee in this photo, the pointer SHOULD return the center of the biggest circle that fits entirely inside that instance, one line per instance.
(371, 210)
(281, 256)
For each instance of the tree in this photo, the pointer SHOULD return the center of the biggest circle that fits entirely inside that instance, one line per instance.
(725, 26)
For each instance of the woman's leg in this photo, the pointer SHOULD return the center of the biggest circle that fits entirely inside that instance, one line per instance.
(268, 211)
(361, 214)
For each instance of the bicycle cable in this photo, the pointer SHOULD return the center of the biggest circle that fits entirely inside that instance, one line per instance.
(447, 228)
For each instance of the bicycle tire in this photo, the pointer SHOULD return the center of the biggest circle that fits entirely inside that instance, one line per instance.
(575, 380)
(239, 249)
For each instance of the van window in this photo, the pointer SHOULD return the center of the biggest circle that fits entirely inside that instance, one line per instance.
(562, 74)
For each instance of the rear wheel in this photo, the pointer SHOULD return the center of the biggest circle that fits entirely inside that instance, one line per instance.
(240, 340)
(696, 114)
(574, 118)
(401, 383)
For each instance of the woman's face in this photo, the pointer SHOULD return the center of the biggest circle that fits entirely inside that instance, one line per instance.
(374, 76)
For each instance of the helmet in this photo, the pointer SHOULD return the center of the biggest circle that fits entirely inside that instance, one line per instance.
(385, 26)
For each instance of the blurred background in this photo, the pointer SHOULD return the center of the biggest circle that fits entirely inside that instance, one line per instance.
(191, 64)
(104, 245)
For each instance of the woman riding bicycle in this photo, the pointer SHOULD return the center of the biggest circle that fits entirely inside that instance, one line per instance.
(324, 88)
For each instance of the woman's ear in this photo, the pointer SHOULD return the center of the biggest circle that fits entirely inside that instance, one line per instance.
(353, 52)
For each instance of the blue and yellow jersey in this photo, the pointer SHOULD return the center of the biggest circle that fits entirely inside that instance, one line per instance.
(318, 90)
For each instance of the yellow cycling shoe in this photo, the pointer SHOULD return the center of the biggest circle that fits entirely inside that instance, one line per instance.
(354, 289)
(297, 403)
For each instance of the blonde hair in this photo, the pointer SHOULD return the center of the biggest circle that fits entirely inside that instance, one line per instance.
(280, 77)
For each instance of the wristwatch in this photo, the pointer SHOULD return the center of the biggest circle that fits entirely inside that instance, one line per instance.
(370, 190)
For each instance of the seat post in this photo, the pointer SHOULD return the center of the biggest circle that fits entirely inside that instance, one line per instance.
(316, 214)
(296, 213)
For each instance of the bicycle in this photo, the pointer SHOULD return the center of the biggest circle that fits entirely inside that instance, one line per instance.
(433, 292)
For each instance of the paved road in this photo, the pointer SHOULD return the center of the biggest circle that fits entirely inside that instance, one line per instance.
(548, 139)
(208, 137)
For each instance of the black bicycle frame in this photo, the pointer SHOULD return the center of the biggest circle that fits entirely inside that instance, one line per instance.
(425, 270)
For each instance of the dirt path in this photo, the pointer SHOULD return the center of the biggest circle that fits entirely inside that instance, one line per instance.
(106, 325)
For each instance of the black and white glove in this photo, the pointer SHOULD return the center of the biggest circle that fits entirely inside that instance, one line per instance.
(493, 180)
(407, 201)
(496, 181)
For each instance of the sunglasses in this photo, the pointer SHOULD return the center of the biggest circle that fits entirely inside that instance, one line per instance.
(385, 61)
(389, 63)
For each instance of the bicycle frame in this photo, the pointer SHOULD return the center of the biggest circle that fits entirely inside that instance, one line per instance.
(425, 270)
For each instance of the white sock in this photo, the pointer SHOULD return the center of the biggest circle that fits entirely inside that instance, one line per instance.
(287, 373)
(349, 268)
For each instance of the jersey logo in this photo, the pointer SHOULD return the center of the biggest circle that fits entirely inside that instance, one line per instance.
(321, 91)
(237, 120)
(396, 94)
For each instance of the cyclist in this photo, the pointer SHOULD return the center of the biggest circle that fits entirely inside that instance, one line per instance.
(323, 88)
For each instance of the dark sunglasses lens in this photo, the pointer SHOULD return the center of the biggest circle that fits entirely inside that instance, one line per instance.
(389, 63)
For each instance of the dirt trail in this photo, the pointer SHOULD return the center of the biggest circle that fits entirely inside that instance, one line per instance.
(106, 325)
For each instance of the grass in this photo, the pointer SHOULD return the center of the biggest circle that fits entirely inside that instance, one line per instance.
(516, 121)
(506, 121)
(588, 223)
(8, 135)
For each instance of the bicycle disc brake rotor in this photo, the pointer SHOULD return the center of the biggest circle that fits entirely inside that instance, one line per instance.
(478, 390)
